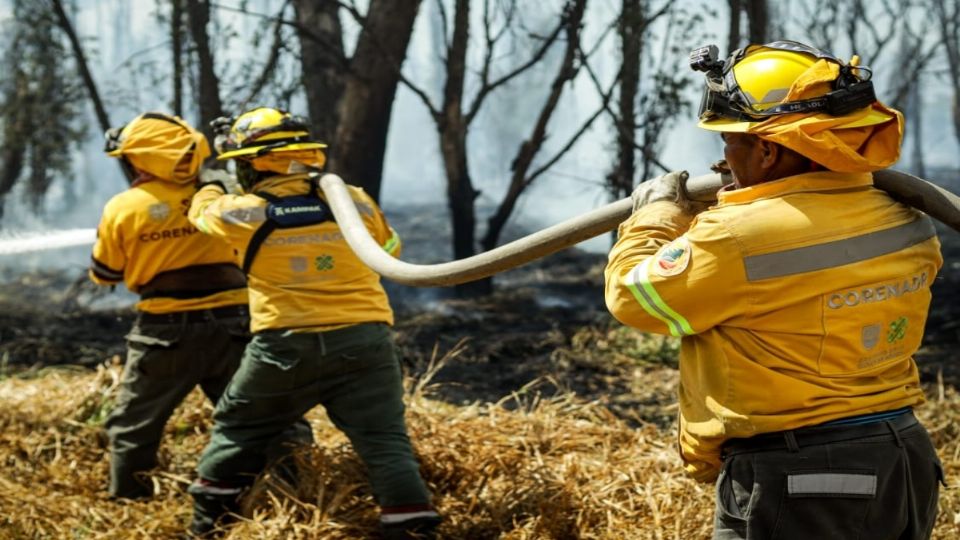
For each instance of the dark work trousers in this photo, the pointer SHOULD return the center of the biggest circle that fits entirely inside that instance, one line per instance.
(353, 372)
(167, 356)
(874, 481)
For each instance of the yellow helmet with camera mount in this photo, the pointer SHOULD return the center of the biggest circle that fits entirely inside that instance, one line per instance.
(760, 82)
(261, 131)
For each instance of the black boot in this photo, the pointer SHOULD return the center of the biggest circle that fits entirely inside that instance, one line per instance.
(213, 505)
(130, 488)
(129, 480)
(419, 528)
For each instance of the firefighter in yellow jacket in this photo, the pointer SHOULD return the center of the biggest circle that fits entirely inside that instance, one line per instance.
(192, 315)
(800, 298)
(321, 323)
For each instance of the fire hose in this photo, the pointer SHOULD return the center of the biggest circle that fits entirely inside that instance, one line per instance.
(935, 201)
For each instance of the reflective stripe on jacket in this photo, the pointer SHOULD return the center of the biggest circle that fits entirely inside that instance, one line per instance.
(799, 301)
(144, 231)
(302, 277)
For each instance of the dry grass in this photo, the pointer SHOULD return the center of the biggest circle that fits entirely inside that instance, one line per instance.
(539, 468)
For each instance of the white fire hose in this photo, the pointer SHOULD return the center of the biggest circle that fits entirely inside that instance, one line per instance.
(920, 194)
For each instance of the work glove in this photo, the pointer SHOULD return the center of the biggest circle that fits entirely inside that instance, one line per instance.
(668, 187)
(219, 177)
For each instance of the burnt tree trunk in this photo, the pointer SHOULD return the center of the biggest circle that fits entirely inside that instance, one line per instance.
(759, 20)
(371, 86)
(733, 34)
(14, 150)
(323, 64)
(176, 36)
(461, 196)
(630, 28)
(453, 146)
(198, 14)
(915, 113)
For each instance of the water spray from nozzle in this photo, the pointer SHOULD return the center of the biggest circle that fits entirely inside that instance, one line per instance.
(13, 242)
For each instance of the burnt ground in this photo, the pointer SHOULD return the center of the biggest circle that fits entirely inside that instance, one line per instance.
(940, 355)
(545, 330)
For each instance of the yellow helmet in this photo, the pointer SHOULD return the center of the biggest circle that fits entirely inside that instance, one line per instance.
(162, 145)
(753, 85)
(261, 131)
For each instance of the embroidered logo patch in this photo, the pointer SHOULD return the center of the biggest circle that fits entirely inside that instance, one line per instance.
(323, 262)
(299, 264)
(898, 329)
(673, 258)
(869, 336)
(159, 211)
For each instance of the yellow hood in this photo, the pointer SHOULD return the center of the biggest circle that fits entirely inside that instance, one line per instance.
(865, 140)
(164, 146)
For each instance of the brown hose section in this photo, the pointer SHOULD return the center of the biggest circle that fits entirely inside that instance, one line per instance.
(935, 201)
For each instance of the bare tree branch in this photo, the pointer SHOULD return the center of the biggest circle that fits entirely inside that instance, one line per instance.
(493, 85)
(550, 162)
(64, 22)
(303, 30)
(491, 38)
(102, 117)
(422, 94)
(273, 59)
(444, 26)
(351, 8)
(918, 58)
(622, 129)
(572, 20)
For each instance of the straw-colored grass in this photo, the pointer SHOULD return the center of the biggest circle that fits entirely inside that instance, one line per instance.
(553, 468)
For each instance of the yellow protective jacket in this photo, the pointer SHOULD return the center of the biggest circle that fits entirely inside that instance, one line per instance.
(302, 278)
(143, 232)
(799, 301)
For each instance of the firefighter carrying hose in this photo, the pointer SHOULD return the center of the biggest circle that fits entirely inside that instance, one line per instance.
(321, 324)
(192, 320)
(800, 298)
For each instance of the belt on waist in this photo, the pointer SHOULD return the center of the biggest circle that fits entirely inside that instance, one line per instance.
(329, 340)
(194, 316)
(194, 281)
(795, 439)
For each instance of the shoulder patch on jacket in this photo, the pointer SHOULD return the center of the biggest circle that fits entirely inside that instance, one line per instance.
(254, 214)
(672, 259)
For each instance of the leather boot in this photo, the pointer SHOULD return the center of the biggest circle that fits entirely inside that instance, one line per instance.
(213, 506)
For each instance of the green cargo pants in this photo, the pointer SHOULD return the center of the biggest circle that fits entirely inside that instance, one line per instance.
(353, 372)
(167, 356)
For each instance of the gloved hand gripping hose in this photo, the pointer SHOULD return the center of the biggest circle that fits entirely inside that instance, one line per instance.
(920, 194)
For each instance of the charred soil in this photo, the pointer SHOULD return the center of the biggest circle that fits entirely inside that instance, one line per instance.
(544, 331)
